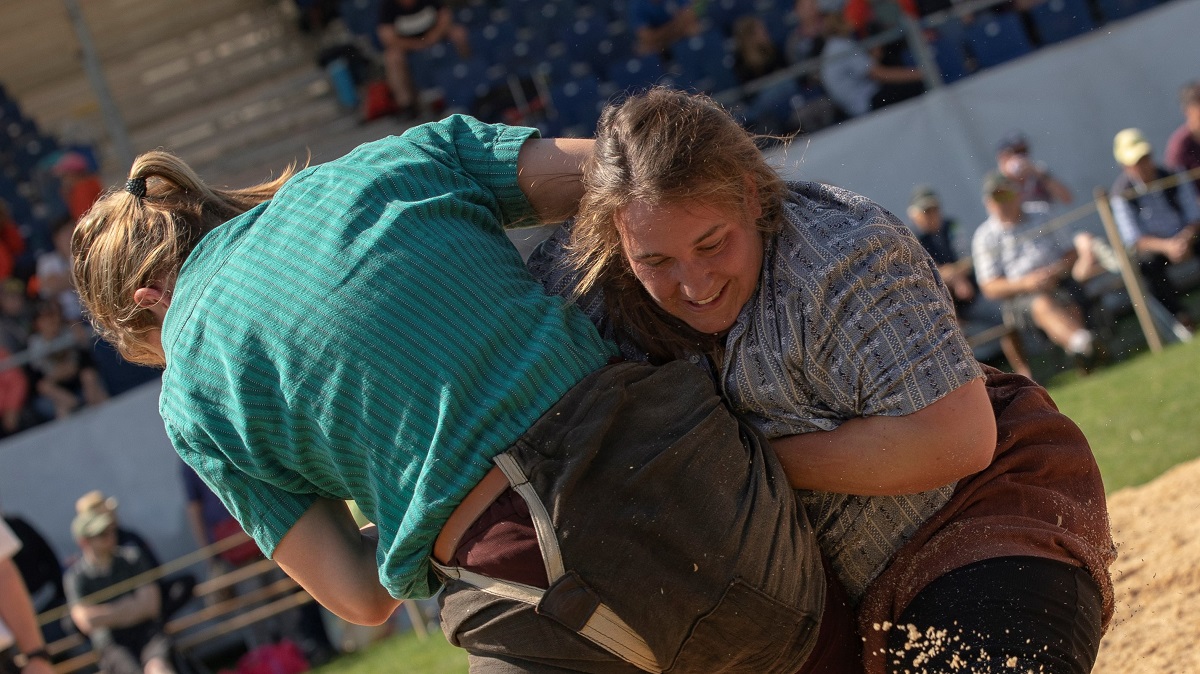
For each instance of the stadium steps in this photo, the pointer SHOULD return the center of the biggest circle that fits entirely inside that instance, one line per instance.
(206, 79)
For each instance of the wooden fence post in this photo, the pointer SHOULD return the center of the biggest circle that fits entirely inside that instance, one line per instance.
(1133, 284)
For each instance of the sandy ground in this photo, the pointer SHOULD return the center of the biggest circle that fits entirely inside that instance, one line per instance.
(1157, 575)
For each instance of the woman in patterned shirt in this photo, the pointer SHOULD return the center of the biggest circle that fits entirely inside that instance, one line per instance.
(953, 500)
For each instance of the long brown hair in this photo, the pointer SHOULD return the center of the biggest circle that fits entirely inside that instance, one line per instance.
(662, 147)
(139, 236)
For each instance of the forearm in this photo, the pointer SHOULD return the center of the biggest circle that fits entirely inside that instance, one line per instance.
(1152, 244)
(871, 456)
(335, 562)
(127, 611)
(16, 610)
(894, 74)
(1004, 288)
(1060, 192)
(549, 172)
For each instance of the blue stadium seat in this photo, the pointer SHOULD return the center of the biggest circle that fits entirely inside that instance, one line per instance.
(997, 38)
(540, 14)
(636, 73)
(527, 53)
(721, 14)
(425, 64)
(582, 36)
(576, 105)
(465, 81)
(703, 62)
(1114, 10)
(1058, 20)
(494, 41)
(361, 18)
(618, 46)
(951, 59)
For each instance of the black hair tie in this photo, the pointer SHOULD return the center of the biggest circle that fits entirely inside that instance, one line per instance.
(136, 187)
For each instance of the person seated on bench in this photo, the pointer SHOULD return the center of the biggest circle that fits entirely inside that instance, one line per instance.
(1161, 227)
(1035, 274)
(933, 230)
(126, 630)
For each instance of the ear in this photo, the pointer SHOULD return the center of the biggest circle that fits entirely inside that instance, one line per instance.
(147, 298)
(153, 299)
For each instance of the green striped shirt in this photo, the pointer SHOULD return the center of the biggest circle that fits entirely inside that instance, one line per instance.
(369, 334)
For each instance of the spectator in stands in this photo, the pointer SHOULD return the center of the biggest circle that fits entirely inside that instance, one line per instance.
(14, 397)
(934, 230)
(127, 629)
(53, 272)
(855, 79)
(12, 244)
(79, 183)
(316, 15)
(768, 110)
(1039, 189)
(39, 565)
(1183, 147)
(807, 37)
(175, 590)
(657, 24)
(407, 26)
(1030, 271)
(60, 356)
(22, 648)
(16, 315)
(1161, 225)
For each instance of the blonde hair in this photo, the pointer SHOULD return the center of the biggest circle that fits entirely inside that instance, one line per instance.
(134, 239)
(662, 147)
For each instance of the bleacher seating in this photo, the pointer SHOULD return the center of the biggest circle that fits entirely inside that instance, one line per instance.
(637, 72)
(997, 38)
(574, 107)
(1058, 20)
(1115, 10)
(951, 59)
(703, 62)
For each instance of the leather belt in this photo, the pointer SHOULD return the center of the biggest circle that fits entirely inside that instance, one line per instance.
(479, 499)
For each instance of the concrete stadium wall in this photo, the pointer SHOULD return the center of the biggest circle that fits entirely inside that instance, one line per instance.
(1069, 99)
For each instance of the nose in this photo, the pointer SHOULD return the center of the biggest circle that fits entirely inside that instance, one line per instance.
(695, 280)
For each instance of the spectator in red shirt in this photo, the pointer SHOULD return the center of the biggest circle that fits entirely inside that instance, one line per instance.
(12, 244)
(1183, 148)
(80, 184)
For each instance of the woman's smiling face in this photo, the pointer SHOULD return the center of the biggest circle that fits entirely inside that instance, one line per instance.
(700, 263)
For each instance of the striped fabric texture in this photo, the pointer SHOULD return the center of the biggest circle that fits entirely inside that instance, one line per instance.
(857, 323)
(370, 334)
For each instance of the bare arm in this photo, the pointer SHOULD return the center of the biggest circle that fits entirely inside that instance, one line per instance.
(142, 605)
(948, 440)
(16, 610)
(335, 562)
(1060, 192)
(894, 74)
(549, 171)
